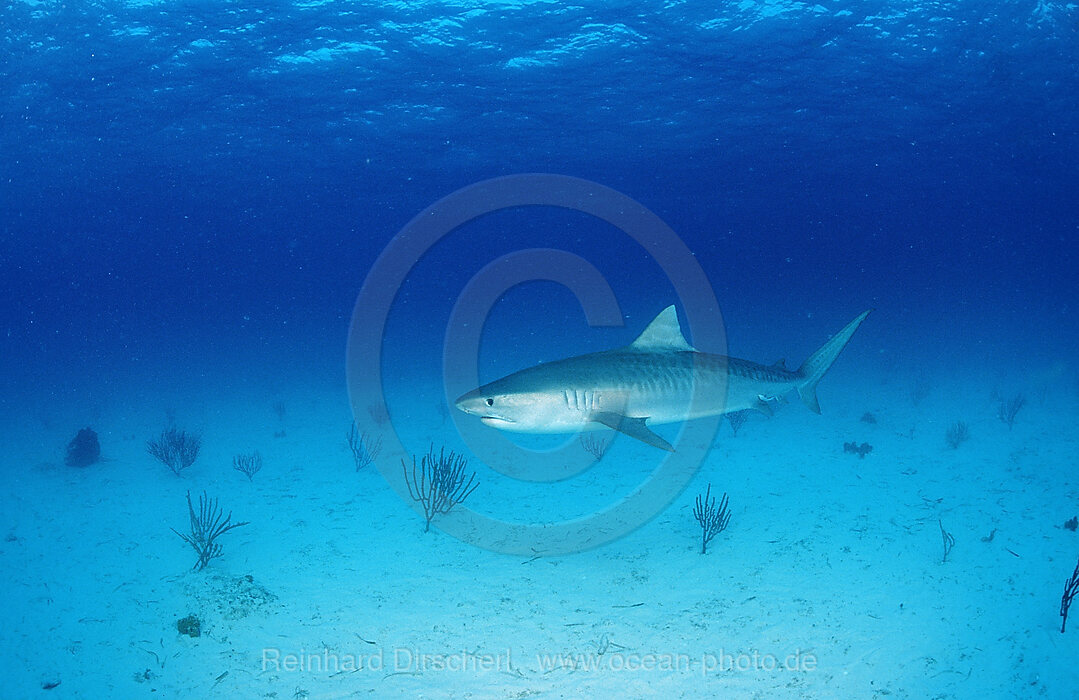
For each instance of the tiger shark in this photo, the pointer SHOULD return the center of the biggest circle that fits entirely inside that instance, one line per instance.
(658, 378)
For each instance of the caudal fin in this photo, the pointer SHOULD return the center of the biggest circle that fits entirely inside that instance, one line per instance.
(819, 362)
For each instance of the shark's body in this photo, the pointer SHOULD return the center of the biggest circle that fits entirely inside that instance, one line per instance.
(659, 378)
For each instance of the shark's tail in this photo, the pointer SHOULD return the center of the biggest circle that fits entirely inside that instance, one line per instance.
(818, 363)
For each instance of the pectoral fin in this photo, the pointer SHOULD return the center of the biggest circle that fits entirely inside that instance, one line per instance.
(634, 427)
(764, 407)
(764, 403)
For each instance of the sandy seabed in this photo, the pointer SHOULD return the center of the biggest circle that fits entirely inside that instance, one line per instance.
(829, 581)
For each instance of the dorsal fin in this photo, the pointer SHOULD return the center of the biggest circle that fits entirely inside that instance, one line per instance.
(663, 333)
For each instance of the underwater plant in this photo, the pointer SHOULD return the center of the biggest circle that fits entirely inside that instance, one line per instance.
(1071, 588)
(957, 434)
(176, 449)
(364, 449)
(1008, 409)
(438, 482)
(206, 526)
(593, 445)
(249, 465)
(712, 520)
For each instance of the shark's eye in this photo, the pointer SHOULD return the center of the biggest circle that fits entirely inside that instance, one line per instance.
(490, 402)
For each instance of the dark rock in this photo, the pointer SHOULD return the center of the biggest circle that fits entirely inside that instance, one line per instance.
(190, 626)
(1072, 524)
(860, 450)
(83, 450)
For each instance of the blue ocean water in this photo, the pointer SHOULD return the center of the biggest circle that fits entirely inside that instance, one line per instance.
(192, 197)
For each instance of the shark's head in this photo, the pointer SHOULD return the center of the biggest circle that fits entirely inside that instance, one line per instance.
(510, 404)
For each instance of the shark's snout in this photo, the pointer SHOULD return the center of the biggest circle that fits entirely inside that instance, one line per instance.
(479, 404)
(471, 402)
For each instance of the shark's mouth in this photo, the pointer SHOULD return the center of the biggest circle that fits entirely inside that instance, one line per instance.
(494, 421)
